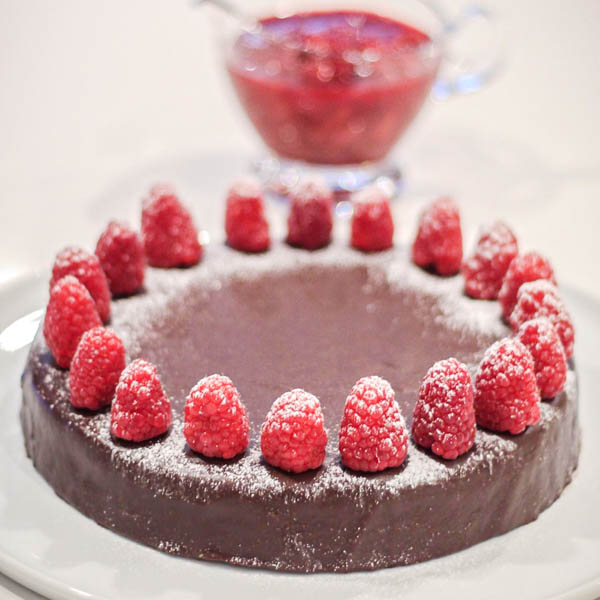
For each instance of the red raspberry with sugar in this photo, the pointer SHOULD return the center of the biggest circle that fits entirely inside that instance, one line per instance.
(96, 368)
(372, 228)
(310, 219)
(485, 269)
(438, 243)
(444, 416)
(293, 436)
(71, 311)
(215, 420)
(541, 299)
(245, 225)
(543, 342)
(170, 236)
(373, 434)
(506, 394)
(140, 410)
(121, 254)
(85, 267)
(522, 269)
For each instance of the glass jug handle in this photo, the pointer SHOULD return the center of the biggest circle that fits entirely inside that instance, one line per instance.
(467, 71)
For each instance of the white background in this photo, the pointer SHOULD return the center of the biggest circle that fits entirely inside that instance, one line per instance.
(91, 91)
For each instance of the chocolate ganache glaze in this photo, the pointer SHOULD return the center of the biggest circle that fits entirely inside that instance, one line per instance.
(272, 322)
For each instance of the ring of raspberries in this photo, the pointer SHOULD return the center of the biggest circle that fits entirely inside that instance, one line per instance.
(505, 394)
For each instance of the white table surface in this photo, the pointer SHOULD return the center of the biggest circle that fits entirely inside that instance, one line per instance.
(92, 91)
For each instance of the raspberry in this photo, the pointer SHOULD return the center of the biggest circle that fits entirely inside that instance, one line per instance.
(85, 267)
(506, 394)
(293, 436)
(543, 342)
(95, 369)
(121, 254)
(541, 299)
(170, 237)
(523, 268)
(71, 311)
(141, 409)
(372, 223)
(438, 244)
(444, 417)
(373, 434)
(485, 269)
(215, 420)
(310, 220)
(245, 224)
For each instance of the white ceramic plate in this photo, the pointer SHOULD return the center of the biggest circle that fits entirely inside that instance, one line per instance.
(51, 548)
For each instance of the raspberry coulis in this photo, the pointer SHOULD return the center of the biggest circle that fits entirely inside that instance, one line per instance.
(335, 87)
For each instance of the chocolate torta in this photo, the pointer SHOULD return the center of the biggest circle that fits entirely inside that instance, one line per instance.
(272, 322)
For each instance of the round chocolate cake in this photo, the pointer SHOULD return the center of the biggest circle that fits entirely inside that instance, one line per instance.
(272, 322)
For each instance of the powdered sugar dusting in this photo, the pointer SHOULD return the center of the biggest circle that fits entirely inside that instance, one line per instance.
(309, 188)
(456, 310)
(248, 475)
(370, 195)
(246, 186)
